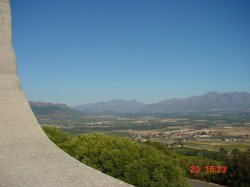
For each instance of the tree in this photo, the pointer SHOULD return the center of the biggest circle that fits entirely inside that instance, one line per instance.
(223, 150)
(239, 169)
(123, 158)
(55, 135)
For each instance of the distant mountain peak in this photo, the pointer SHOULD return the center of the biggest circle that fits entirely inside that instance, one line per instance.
(207, 102)
(212, 93)
(56, 111)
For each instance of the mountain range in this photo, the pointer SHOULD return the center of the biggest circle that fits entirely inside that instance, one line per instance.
(54, 111)
(211, 101)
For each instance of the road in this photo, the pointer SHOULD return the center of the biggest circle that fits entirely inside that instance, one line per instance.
(197, 183)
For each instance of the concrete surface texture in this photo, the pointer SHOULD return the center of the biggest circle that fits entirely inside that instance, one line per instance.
(27, 157)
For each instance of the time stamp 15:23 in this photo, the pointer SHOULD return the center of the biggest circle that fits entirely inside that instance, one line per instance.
(208, 169)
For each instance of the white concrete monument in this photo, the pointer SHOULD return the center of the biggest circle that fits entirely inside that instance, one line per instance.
(27, 157)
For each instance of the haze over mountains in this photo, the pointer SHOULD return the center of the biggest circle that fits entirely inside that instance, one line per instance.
(54, 111)
(212, 101)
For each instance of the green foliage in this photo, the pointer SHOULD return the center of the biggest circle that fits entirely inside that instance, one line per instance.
(238, 173)
(155, 169)
(213, 155)
(187, 161)
(151, 163)
(137, 164)
(223, 151)
(159, 146)
(238, 166)
(55, 135)
(141, 165)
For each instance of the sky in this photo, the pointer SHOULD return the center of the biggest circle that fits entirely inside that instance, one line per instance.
(85, 51)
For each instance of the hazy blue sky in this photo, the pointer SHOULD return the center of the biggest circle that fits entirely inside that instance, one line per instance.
(83, 51)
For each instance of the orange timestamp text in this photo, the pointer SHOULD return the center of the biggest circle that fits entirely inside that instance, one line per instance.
(208, 169)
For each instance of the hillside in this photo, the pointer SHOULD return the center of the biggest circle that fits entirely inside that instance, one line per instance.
(152, 163)
(209, 102)
(212, 101)
(113, 107)
(52, 111)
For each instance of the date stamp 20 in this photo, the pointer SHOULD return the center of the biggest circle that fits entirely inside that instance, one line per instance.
(208, 169)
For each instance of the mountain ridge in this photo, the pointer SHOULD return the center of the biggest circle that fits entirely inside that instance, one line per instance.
(211, 101)
(208, 102)
(53, 111)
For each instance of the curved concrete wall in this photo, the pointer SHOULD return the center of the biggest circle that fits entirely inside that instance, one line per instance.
(27, 157)
(7, 56)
